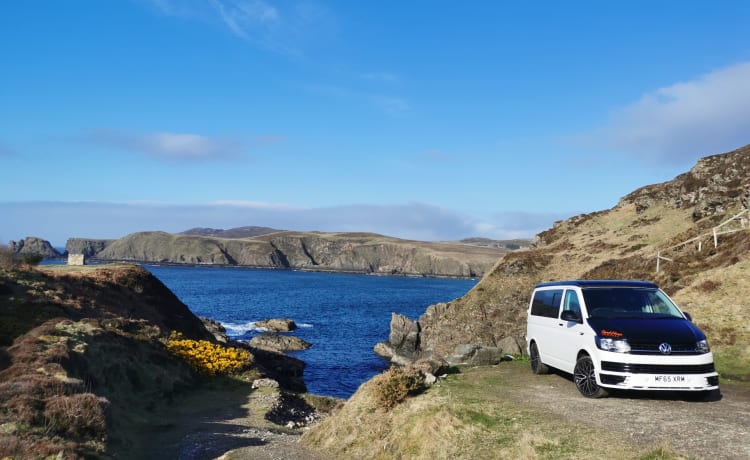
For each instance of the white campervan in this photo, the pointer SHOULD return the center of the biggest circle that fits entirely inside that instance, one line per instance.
(617, 334)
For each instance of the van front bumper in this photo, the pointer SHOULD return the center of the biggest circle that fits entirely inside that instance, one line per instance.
(657, 372)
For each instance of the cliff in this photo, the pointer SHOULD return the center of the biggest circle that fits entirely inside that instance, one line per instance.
(87, 247)
(339, 252)
(673, 219)
(33, 245)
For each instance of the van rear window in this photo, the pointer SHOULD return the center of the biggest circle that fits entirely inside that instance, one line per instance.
(546, 303)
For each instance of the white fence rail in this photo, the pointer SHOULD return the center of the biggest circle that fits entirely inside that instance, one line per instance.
(736, 223)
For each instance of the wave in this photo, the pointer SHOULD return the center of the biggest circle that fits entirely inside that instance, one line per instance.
(238, 329)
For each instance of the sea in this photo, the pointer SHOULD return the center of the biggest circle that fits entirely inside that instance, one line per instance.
(342, 315)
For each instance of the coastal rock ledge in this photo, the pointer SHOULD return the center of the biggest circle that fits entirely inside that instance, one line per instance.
(404, 347)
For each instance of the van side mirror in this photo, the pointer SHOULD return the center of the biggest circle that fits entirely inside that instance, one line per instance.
(570, 315)
(687, 315)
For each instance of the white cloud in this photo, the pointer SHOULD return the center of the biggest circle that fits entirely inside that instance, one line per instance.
(114, 220)
(681, 122)
(167, 145)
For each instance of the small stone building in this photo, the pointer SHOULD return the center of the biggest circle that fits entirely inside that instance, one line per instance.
(76, 259)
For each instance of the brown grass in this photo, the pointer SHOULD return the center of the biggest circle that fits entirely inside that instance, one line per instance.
(78, 416)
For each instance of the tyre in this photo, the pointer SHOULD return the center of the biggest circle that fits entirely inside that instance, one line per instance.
(584, 375)
(537, 366)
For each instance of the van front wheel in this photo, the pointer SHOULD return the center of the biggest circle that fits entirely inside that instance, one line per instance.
(584, 375)
(537, 366)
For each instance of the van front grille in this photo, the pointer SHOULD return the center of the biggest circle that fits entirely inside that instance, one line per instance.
(652, 348)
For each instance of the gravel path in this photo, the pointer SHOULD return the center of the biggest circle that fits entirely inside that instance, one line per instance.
(718, 428)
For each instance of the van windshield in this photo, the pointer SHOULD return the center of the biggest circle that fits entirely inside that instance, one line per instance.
(628, 302)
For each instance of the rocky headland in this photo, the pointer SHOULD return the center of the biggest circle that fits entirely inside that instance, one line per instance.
(34, 246)
(316, 251)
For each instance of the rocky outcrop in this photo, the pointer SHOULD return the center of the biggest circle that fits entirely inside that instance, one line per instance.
(277, 324)
(714, 185)
(33, 245)
(337, 252)
(87, 247)
(278, 342)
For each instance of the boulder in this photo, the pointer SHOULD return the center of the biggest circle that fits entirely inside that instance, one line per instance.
(216, 328)
(272, 341)
(265, 383)
(512, 345)
(277, 325)
(434, 365)
(476, 355)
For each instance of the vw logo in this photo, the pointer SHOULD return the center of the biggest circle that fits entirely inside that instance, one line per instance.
(665, 348)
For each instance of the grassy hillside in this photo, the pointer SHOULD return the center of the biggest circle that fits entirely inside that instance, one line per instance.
(470, 415)
(623, 242)
(89, 367)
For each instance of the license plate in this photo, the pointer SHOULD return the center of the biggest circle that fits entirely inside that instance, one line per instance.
(662, 379)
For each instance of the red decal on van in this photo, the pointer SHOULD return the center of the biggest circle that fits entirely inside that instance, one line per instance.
(615, 334)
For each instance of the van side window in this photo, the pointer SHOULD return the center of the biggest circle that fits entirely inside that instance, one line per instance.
(571, 302)
(546, 303)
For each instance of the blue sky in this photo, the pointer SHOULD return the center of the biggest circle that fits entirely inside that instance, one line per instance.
(431, 120)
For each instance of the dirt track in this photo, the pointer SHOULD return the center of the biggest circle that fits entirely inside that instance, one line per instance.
(718, 428)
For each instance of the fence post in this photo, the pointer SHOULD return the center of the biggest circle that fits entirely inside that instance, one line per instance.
(658, 256)
(716, 240)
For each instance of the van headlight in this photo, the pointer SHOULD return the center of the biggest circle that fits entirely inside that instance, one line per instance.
(616, 345)
(701, 346)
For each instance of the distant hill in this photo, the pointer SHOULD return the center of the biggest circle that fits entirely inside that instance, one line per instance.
(239, 232)
(672, 219)
(315, 251)
(504, 244)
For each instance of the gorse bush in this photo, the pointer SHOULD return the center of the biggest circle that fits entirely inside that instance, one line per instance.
(395, 385)
(208, 358)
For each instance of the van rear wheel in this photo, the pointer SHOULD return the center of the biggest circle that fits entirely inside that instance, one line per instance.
(584, 375)
(537, 366)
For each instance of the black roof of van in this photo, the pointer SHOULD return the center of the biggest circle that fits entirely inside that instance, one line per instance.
(600, 283)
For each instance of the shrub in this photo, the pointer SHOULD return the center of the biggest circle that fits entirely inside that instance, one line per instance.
(33, 259)
(709, 285)
(80, 415)
(7, 258)
(206, 357)
(395, 385)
